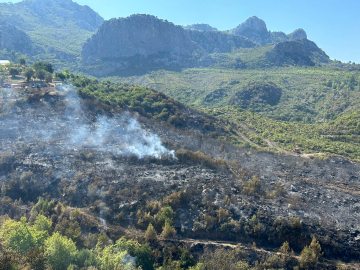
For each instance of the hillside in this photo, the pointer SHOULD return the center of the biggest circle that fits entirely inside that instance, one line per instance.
(106, 169)
(12, 39)
(309, 94)
(56, 26)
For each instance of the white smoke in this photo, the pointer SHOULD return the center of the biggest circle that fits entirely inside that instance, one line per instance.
(122, 134)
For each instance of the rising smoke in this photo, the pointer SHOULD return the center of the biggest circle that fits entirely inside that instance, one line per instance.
(121, 134)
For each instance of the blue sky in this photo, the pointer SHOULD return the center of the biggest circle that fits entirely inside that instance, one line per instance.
(333, 24)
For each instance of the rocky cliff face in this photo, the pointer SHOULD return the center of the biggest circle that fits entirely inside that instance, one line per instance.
(219, 42)
(297, 52)
(13, 39)
(298, 33)
(138, 35)
(141, 41)
(254, 29)
(200, 27)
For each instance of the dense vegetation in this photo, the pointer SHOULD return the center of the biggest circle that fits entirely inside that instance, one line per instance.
(309, 94)
(339, 137)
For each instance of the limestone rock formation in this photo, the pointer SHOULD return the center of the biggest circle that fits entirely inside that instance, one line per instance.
(200, 27)
(298, 33)
(297, 52)
(254, 29)
(138, 35)
(219, 42)
(13, 39)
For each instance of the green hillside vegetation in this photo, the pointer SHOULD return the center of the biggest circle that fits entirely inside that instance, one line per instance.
(309, 94)
(336, 137)
(145, 101)
(57, 28)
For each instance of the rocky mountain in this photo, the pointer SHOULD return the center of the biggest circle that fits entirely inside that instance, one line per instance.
(137, 35)
(297, 52)
(142, 41)
(12, 39)
(219, 42)
(298, 33)
(61, 25)
(256, 30)
(200, 27)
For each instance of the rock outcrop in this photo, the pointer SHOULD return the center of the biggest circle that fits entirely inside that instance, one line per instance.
(142, 35)
(298, 33)
(200, 27)
(254, 29)
(13, 39)
(297, 52)
(219, 42)
(144, 41)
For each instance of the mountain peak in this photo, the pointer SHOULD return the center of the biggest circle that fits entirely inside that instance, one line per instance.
(298, 33)
(254, 29)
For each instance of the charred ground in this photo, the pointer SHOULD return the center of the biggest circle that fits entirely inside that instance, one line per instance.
(213, 189)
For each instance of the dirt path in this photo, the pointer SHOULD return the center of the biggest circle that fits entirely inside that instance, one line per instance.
(272, 144)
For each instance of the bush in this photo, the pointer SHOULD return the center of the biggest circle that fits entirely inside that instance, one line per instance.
(61, 251)
(310, 255)
(168, 231)
(199, 157)
(150, 233)
(253, 187)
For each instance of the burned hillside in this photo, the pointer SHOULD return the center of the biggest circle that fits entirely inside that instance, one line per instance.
(122, 170)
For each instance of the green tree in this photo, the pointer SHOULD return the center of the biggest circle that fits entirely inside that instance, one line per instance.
(13, 72)
(168, 231)
(40, 74)
(150, 233)
(48, 77)
(22, 61)
(310, 255)
(41, 65)
(142, 253)
(42, 223)
(60, 250)
(20, 236)
(166, 215)
(114, 257)
(29, 73)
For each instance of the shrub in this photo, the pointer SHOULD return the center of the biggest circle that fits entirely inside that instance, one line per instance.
(222, 214)
(60, 250)
(199, 157)
(310, 255)
(253, 187)
(150, 233)
(168, 231)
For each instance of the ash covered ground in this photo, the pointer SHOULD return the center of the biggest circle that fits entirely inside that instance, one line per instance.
(112, 167)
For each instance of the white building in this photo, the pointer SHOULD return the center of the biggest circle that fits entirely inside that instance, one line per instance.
(4, 62)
